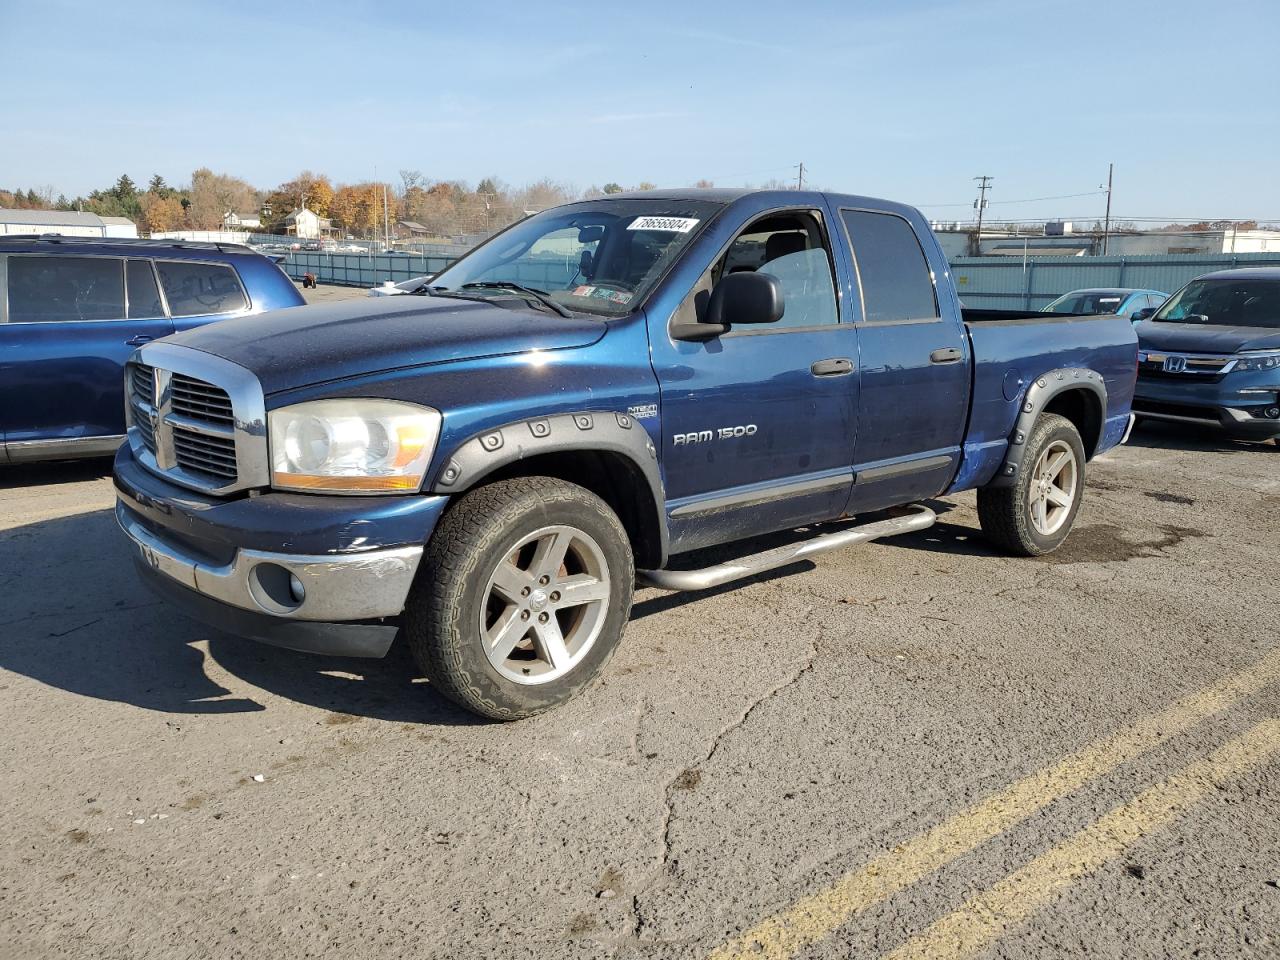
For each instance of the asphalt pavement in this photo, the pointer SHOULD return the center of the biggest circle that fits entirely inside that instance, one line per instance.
(914, 748)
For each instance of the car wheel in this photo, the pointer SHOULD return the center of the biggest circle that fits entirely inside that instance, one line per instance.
(1034, 516)
(522, 597)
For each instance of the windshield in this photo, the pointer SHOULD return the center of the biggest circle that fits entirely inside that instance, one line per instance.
(1087, 302)
(1225, 303)
(601, 256)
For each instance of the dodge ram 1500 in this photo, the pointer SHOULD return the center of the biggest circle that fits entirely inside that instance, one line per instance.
(492, 465)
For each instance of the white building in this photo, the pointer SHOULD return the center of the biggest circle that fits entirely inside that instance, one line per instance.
(241, 221)
(307, 225)
(67, 223)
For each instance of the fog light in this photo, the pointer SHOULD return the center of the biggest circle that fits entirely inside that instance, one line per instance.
(296, 589)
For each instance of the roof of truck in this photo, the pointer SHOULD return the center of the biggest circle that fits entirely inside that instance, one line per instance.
(727, 195)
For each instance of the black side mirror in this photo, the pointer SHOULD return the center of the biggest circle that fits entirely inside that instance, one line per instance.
(1139, 315)
(586, 264)
(738, 298)
(749, 297)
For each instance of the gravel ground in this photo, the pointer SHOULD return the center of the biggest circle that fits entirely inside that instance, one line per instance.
(912, 748)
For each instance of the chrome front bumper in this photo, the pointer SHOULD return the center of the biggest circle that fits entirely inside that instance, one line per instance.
(335, 588)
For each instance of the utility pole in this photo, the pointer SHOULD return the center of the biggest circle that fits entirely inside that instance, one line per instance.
(386, 220)
(800, 177)
(1106, 226)
(984, 184)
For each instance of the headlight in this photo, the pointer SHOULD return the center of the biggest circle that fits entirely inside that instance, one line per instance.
(352, 446)
(1257, 361)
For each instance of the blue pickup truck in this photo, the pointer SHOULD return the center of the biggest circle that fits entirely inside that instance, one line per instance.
(492, 465)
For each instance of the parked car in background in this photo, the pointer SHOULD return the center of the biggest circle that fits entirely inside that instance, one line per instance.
(73, 309)
(1211, 355)
(492, 463)
(1121, 301)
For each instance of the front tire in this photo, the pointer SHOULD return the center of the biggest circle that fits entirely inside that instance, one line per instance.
(522, 597)
(1034, 516)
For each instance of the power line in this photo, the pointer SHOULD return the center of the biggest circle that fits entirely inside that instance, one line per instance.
(1065, 196)
(984, 184)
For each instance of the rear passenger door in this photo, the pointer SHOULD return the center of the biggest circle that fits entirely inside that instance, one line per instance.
(914, 361)
(69, 323)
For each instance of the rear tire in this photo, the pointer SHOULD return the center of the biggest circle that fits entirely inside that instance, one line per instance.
(1034, 516)
(523, 594)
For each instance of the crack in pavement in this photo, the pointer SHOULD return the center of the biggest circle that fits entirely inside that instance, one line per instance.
(688, 777)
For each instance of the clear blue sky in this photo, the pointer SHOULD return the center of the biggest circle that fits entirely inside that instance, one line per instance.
(908, 99)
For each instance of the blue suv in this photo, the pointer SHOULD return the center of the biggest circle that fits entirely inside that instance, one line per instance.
(1211, 355)
(73, 309)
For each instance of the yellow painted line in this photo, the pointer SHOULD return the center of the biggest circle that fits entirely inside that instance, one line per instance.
(819, 914)
(984, 918)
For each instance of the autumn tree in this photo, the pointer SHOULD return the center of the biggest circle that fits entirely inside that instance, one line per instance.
(160, 212)
(213, 195)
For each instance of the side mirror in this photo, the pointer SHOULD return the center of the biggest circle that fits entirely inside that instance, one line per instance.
(748, 297)
(1139, 315)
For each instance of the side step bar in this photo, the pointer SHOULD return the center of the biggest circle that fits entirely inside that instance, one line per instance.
(708, 577)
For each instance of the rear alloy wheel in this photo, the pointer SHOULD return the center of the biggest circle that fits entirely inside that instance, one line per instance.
(1034, 515)
(522, 596)
(1053, 488)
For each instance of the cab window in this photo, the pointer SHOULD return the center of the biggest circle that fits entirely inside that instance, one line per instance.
(51, 289)
(793, 248)
(897, 284)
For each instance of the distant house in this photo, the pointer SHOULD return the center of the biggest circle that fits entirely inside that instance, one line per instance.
(241, 221)
(308, 225)
(413, 228)
(68, 223)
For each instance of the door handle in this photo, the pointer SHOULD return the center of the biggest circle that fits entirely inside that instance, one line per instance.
(945, 355)
(832, 367)
(139, 340)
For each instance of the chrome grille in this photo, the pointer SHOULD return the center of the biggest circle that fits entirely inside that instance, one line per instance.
(197, 420)
(142, 398)
(207, 455)
(200, 400)
(1206, 368)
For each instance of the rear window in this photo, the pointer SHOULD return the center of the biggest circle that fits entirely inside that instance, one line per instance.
(897, 284)
(196, 289)
(50, 289)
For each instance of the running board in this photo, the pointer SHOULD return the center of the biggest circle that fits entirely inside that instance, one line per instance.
(708, 577)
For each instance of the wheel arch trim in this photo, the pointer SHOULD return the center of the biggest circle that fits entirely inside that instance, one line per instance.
(1043, 390)
(607, 432)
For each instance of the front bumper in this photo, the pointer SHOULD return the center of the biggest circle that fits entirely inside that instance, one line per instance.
(218, 560)
(1236, 407)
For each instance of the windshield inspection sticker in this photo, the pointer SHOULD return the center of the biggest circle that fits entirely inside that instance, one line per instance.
(671, 224)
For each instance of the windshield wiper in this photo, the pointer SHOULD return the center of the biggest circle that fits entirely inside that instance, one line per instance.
(538, 295)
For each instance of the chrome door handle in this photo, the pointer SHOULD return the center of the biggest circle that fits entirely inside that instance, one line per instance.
(945, 355)
(832, 367)
(139, 340)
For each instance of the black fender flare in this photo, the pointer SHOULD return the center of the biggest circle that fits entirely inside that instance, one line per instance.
(1038, 396)
(590, 431)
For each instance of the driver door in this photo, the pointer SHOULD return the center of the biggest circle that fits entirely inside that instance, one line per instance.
(757, 423)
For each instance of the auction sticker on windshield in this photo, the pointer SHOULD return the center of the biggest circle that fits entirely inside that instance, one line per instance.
(671, 224)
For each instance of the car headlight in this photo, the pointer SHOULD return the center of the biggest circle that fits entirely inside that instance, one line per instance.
(352, 446)
(1257, 361)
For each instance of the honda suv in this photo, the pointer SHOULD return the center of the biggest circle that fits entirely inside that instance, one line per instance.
(1211, 355)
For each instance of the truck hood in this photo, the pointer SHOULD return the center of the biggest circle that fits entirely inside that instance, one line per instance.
(308, 345)
(1205, 338)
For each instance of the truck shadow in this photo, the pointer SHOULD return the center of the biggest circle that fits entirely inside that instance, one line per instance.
(76, 617)
(1179, 436)
(14, 476)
